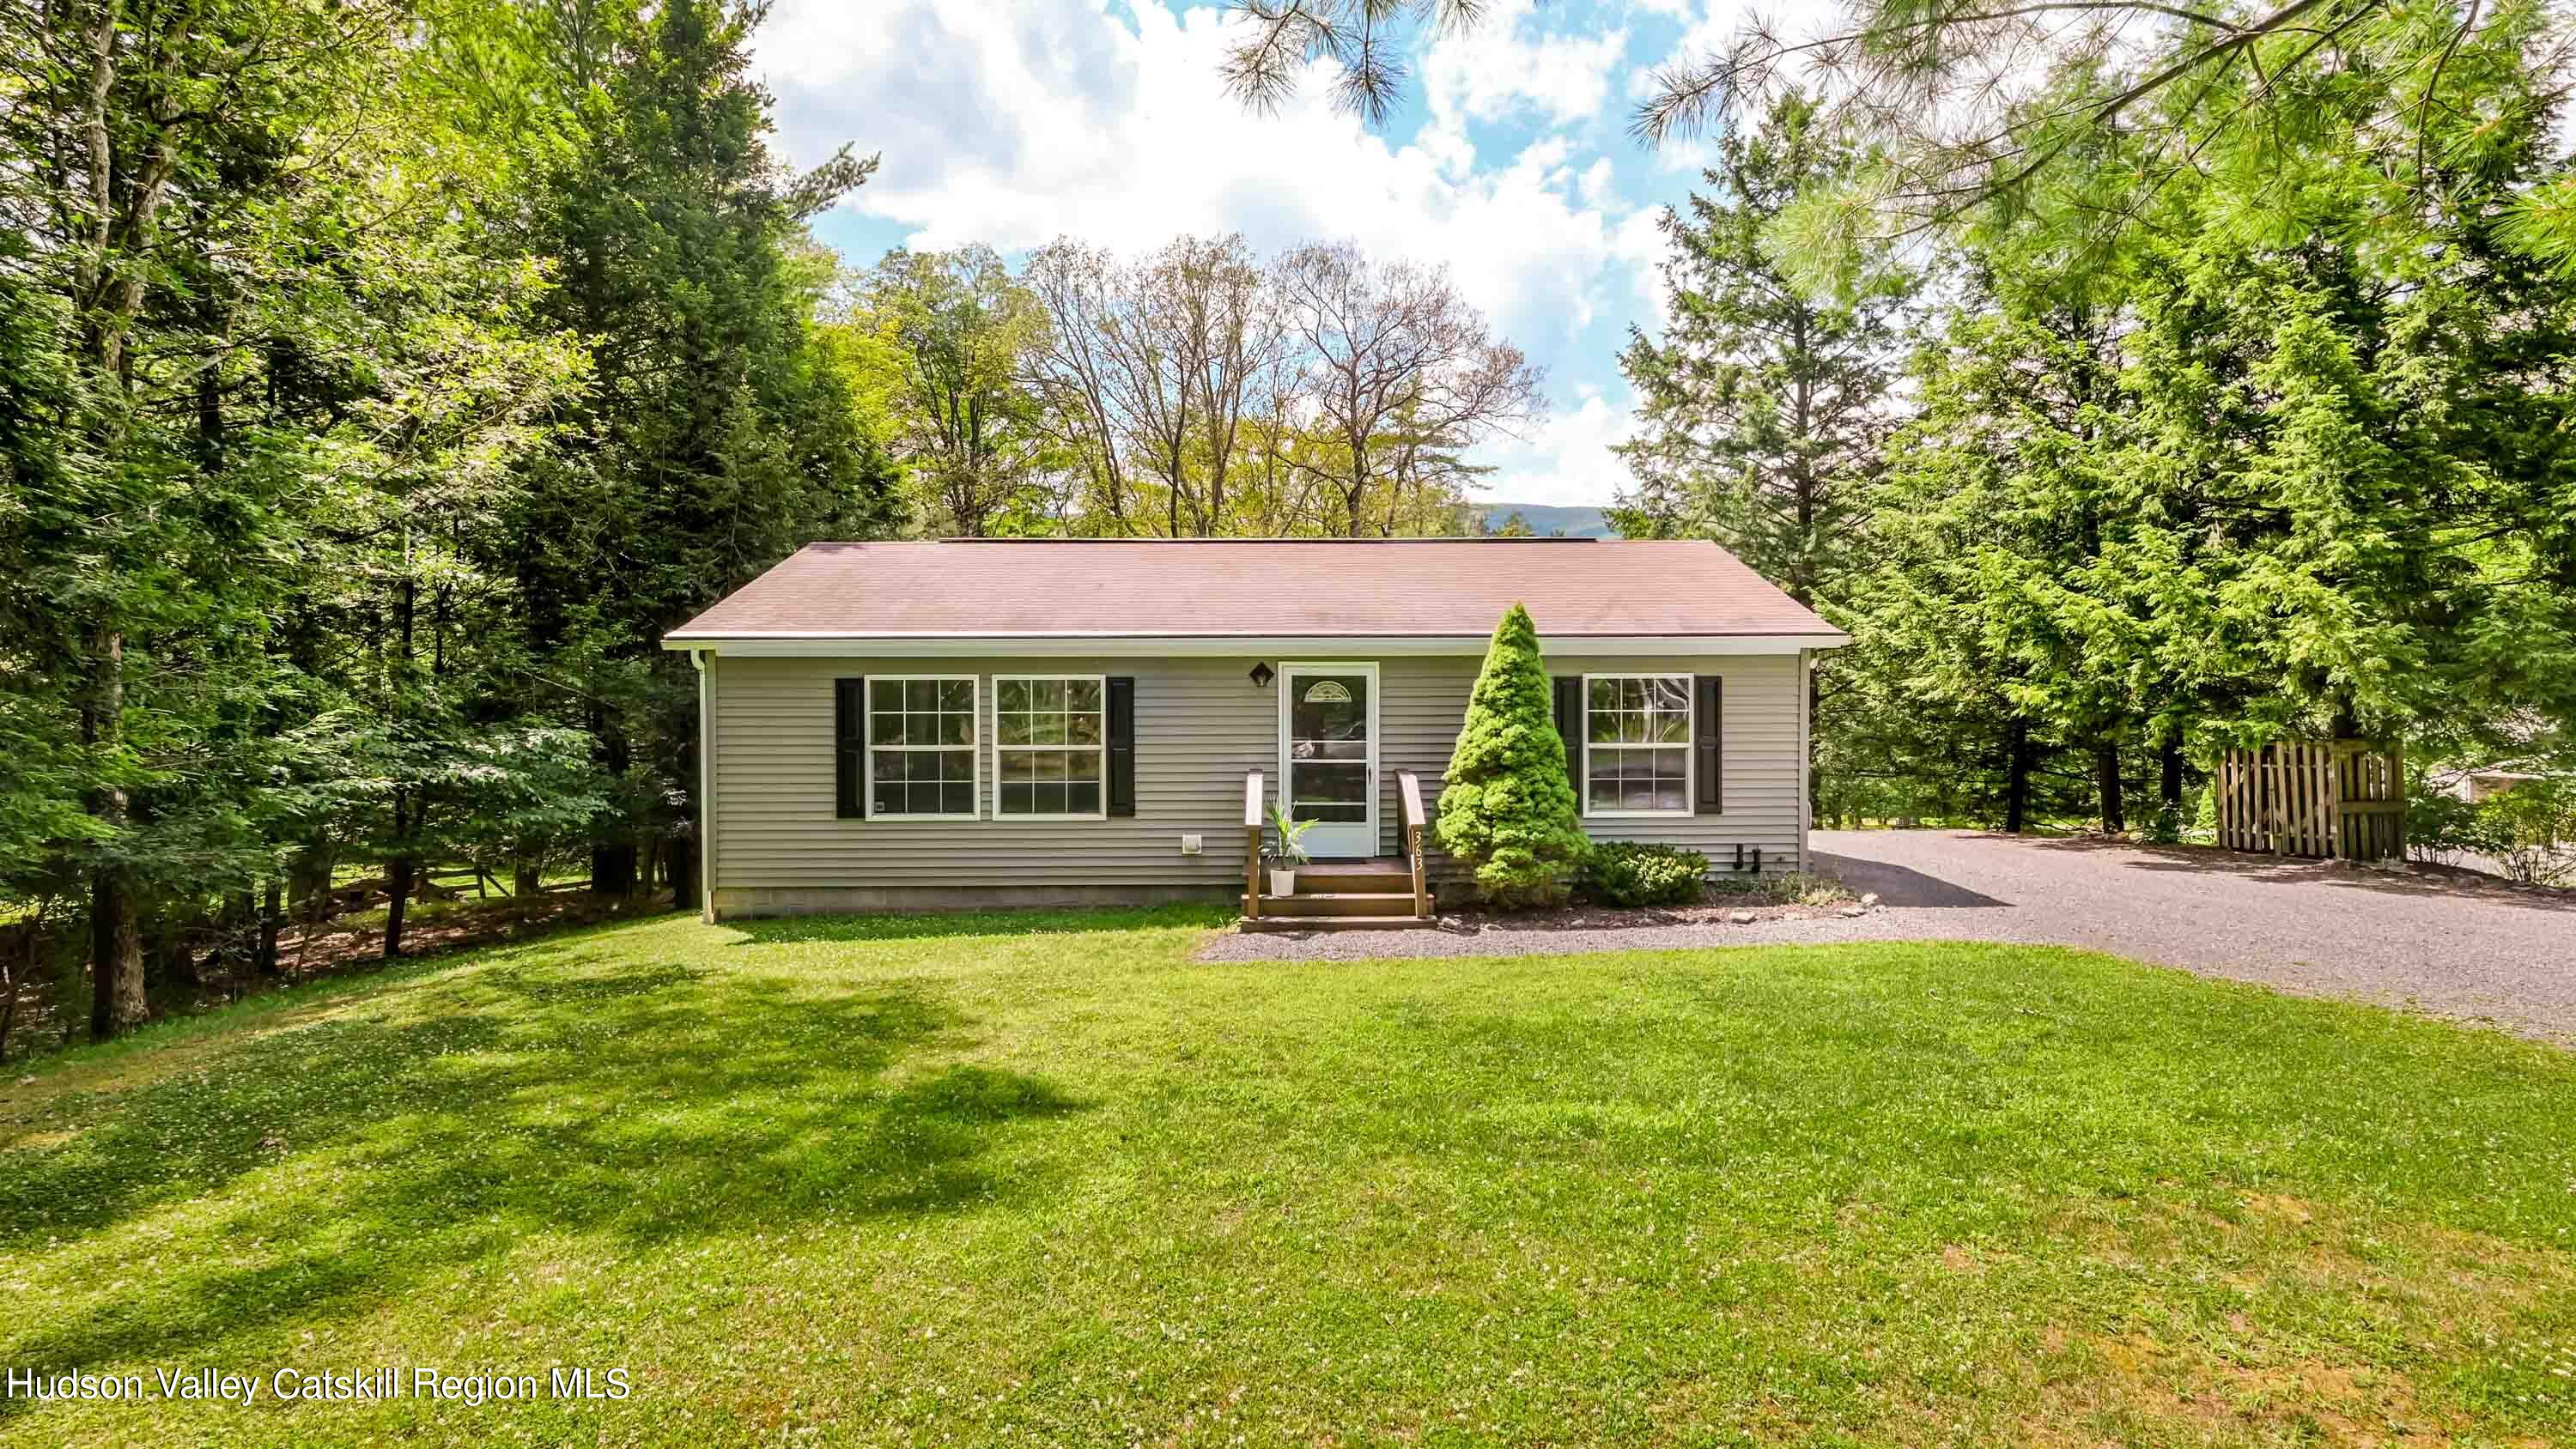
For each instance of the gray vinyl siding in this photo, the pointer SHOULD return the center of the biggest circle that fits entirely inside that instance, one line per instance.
(1200, 724)
(1425, 700)
(1760, 750)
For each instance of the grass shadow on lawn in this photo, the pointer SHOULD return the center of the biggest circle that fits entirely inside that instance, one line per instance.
(1080, 1189)
(402, 1137)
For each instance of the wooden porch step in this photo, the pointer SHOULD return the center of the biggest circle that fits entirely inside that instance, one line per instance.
(1335, 903)
(1334, 876)
(1330, 923)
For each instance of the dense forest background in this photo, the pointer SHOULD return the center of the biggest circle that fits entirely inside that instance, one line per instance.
(380, 380)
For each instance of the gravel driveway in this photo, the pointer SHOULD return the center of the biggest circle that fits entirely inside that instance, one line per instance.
(2435, 943)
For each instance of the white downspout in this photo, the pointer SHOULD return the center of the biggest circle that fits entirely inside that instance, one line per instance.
(1806, 752)
(706, 792)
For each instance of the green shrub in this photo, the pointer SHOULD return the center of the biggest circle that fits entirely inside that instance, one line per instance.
(1506, 806)
(2439, 824)
(2165, 825)
(1633, 873)
(2528, 830)
(2531, 830)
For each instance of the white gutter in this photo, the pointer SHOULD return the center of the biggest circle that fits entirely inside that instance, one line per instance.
(815, 644)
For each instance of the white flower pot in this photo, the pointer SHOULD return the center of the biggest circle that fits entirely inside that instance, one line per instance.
(1283, 882)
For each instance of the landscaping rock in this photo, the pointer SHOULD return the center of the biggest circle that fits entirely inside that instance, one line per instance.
(1855, 911)
(1742, 918)
(1869, 900)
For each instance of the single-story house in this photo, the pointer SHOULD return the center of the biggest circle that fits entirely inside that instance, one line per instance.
(988, 722)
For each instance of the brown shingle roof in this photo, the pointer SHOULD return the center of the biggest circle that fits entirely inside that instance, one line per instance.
(1253, 588)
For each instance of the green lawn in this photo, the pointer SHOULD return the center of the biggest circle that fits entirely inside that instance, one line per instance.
(1044, 1179)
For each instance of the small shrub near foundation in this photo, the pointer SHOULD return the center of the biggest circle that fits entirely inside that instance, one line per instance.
(1631, 873)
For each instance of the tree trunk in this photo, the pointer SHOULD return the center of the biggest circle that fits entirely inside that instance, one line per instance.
(9, 989)
(2169, 778)
(31, 934)
(683, 856)
(526, 878)
(2017, 777)
(238, 950)
(116, 956)
(612, 868)
(2106, 781)
(116, 935)
(312, 872)
(272, 918)
(398, 882)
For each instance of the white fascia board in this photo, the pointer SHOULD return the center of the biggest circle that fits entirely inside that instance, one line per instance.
(815, 645)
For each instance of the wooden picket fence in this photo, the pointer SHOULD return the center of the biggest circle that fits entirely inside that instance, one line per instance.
(2334, 799)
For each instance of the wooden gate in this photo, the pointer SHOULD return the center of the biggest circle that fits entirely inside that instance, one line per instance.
(2340, 799)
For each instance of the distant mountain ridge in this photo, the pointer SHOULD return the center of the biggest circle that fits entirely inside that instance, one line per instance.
(1547, 519)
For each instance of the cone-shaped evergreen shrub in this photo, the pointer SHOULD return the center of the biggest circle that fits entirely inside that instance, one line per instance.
(1506, 808)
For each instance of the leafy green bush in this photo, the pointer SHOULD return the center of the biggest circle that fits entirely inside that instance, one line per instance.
(2165, 825)
(2439, 824)
(2529, 830)
(1633, 873)
(2533, 827)
(1506, 806)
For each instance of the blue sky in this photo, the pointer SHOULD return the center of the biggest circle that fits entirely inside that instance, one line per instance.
(1013, 122)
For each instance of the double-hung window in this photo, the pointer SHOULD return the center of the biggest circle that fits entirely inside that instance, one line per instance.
(1637, 744)
(1049, 746)
(922, 748)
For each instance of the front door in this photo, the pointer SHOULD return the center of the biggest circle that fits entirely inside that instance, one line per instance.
(1328, 756)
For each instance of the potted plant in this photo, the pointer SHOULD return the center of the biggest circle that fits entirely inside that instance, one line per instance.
(1285, 854)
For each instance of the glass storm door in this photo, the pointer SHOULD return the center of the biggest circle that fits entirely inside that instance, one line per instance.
(1328, 755)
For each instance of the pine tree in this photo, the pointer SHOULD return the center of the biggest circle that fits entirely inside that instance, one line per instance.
(718, 434)
(1764, 407)
(1507, 806)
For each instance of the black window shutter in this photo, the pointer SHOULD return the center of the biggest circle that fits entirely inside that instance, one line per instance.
(1709, 691)
(1122, 745)
(849, 742)
(1569, 726)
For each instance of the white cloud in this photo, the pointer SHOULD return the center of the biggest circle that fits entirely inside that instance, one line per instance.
(1565, 457)
(1015, 123)
(1640, 239)
(1012, 122)
(1505, 66)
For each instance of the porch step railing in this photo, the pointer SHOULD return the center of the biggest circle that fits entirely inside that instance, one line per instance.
(1343, 895)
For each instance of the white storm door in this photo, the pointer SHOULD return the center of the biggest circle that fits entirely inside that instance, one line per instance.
(1328, 756)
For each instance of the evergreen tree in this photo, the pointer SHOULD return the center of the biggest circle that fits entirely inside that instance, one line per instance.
(1989, 530)
(1507, 806)
(245, 246)
(718, 434)
(1764, 409)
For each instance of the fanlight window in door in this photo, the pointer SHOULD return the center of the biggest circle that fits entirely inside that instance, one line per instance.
(1328, 750)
